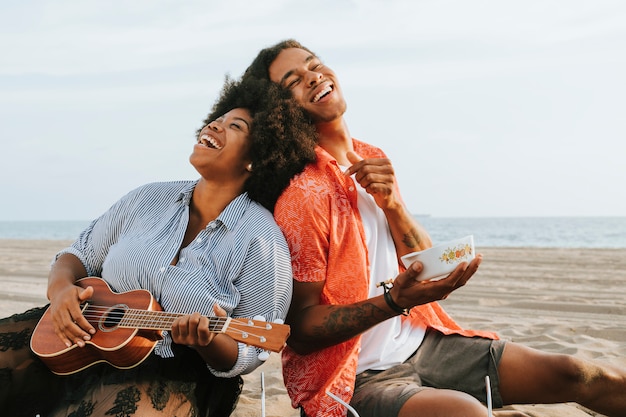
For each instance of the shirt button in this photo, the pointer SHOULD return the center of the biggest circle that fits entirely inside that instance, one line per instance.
(199, 240)
(162, 269)
(182, 259)
(351, 188)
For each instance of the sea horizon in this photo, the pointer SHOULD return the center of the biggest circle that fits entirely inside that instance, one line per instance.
(553, 231)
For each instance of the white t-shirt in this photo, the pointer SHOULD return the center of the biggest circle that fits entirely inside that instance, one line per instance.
(395, 340)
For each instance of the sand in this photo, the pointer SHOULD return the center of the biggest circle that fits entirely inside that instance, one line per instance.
(558, 300)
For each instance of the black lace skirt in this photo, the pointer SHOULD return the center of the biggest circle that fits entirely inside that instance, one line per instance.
(180, 386)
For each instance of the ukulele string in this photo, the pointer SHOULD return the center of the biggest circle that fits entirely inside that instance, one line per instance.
(124, 317)
(94, 313)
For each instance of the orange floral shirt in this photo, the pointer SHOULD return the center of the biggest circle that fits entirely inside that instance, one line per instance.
(319, 216)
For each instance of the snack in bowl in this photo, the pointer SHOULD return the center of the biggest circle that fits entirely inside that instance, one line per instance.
(440, 260)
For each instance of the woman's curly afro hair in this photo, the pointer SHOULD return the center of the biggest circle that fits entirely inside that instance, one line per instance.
(282, 138)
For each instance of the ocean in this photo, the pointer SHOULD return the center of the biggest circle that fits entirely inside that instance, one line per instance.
(541, 232)
(567, 232)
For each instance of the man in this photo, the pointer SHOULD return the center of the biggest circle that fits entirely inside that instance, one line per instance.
(389, 352)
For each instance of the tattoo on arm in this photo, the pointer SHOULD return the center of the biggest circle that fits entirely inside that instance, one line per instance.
(412, 239)
(346, 322)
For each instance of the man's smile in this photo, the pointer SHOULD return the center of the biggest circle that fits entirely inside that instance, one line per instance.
(327, 89)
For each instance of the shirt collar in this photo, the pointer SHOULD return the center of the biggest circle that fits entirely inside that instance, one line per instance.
(324, 158)
(230, 215)
(234, 211)
(185, 193)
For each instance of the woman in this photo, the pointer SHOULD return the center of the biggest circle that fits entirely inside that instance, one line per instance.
(201, 248)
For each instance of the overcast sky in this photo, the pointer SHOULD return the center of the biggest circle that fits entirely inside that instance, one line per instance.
(486, 108)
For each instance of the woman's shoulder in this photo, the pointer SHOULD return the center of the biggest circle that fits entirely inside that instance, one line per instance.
(258, 221)
(256, 213)
(163, 191)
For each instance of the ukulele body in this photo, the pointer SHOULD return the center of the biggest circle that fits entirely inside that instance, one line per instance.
(121, 347)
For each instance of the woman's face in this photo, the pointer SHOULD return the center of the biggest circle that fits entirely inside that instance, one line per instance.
(221, 152)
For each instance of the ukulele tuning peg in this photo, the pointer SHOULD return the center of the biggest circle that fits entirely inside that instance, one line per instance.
(259, 318)
(263, 356)
(279, 321)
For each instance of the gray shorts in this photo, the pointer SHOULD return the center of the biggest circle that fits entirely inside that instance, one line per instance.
(448, 362)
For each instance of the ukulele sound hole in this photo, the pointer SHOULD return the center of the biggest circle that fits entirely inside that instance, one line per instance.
(111, 319)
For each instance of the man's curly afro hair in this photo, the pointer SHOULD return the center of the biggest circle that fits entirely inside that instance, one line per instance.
(282, 138)
(260, 67)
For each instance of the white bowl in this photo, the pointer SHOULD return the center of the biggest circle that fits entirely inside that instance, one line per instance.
(441, 260)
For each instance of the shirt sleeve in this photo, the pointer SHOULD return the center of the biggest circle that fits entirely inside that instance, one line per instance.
(302, 212)
(265, 288)
(93, 243)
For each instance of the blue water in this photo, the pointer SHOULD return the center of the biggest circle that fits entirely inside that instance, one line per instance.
(52, 230)
(547, 232)
(582, 232)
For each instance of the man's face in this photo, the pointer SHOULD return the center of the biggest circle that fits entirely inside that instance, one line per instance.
(311, 83)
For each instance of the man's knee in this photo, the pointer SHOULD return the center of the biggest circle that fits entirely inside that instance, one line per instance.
(442, 402)
(578, 377)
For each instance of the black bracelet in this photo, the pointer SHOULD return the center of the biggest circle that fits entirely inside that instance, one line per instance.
(392, 304)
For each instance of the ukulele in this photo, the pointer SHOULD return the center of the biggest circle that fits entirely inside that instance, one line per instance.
(129, 325)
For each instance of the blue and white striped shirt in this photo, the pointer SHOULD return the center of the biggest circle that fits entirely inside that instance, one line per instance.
(239, 261)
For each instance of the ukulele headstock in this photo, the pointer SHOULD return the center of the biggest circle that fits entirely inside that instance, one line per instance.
(256, 332)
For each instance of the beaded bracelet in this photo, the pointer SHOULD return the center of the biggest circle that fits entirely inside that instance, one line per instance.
(387, 285)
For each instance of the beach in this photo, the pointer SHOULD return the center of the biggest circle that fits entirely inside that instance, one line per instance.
(559, 300)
